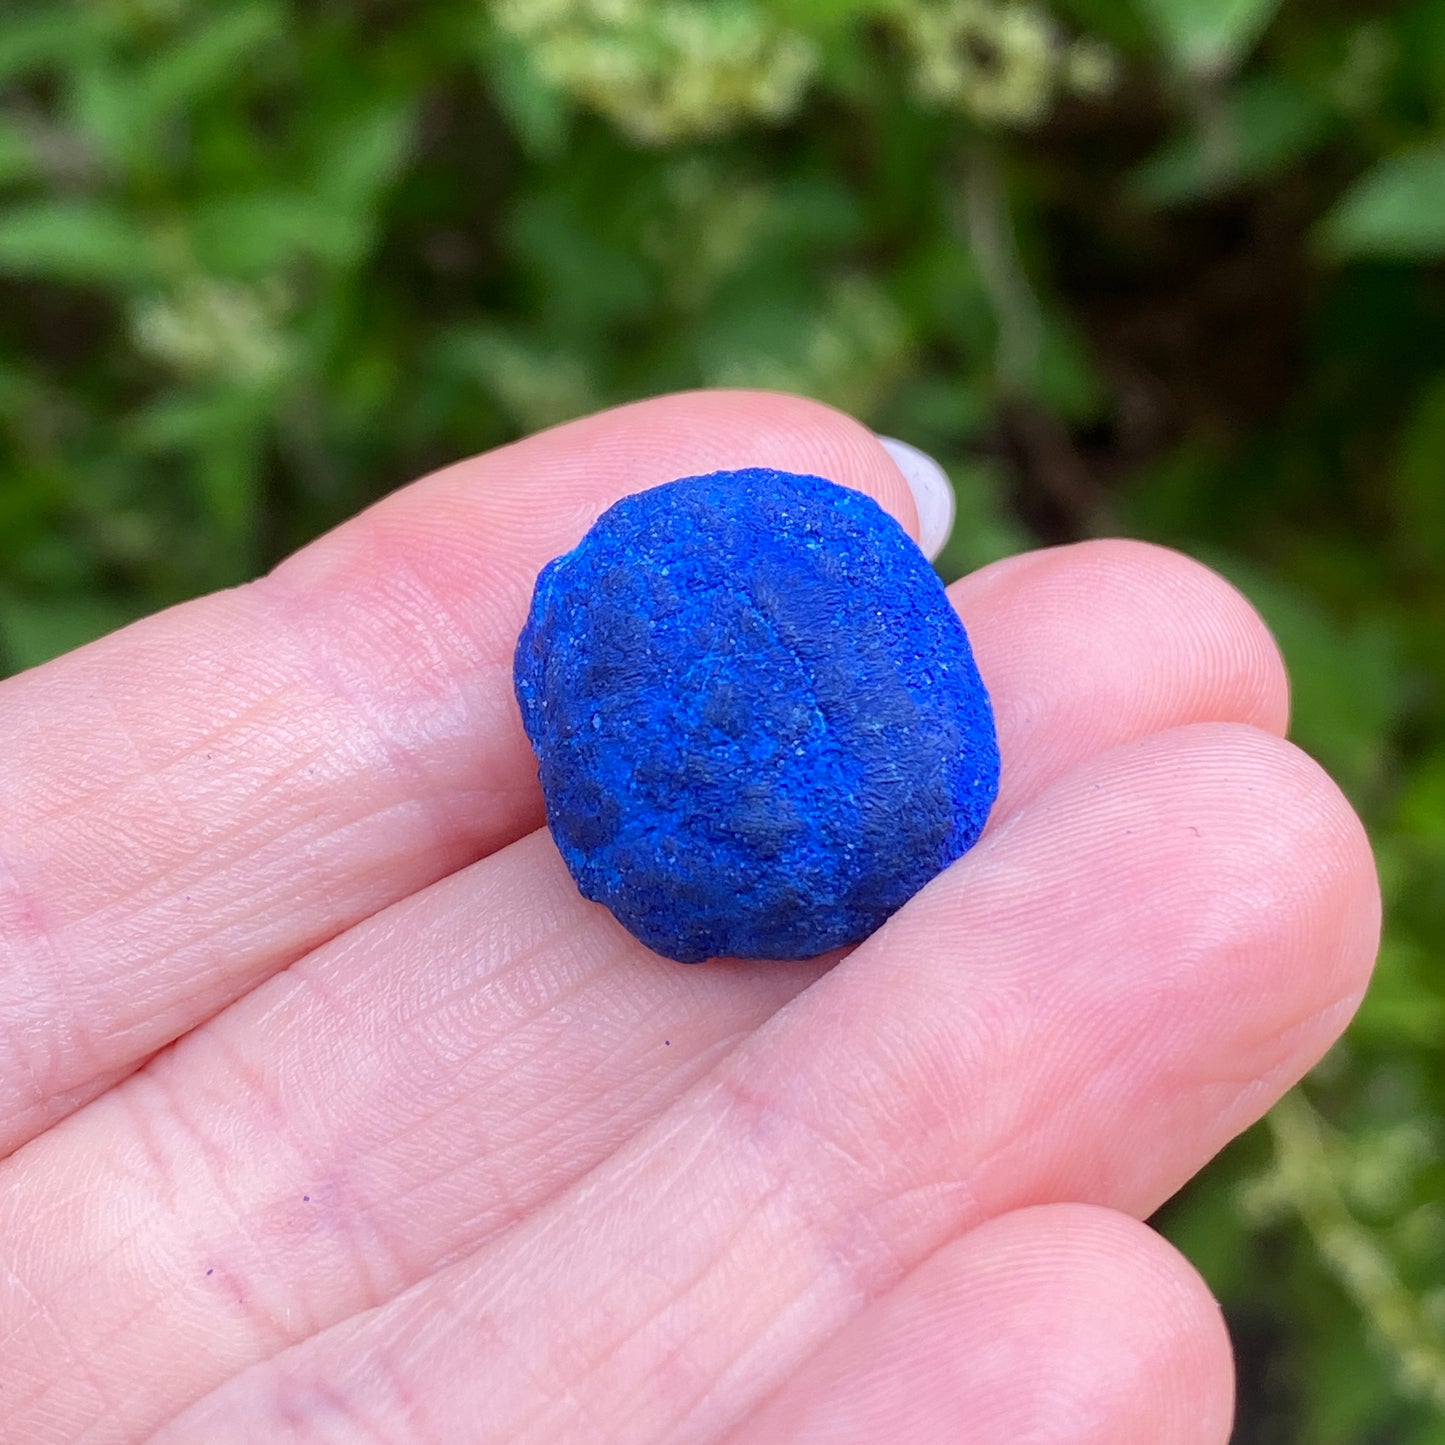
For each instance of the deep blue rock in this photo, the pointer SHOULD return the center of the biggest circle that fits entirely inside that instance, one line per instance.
(758, 719)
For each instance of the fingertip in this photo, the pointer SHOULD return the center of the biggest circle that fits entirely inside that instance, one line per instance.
(1144, 1330)
(1118, 594)
(1343, 870)
(1229, 624)
(1062, 1324)
(1089, 646)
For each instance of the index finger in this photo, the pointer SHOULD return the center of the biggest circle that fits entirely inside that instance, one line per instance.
(194, 802)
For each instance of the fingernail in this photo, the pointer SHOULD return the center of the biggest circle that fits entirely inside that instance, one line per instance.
(932, 493)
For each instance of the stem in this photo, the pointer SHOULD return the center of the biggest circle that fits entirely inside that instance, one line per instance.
(1310, 1179)
(990, 230)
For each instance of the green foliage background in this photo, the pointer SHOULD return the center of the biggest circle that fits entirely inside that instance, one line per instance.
(1170, 268)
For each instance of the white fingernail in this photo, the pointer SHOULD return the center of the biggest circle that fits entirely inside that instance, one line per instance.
(932, 493)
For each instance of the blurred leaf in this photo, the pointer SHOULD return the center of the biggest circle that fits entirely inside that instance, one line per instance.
(1401, 1007)
(39, 35)
(1205, 1223)
(938, 410)
(1108, 19)
(1268, 124)
(1345, 1392)
(228, 484)
(824, 17)
(253, 235)
(1419, 490)
(1066, 379)
(809, 214)
(365, 153)
(1396, 210)
(1417, 34)
(1421, 807)
(588, 274)
(185, 421)
(17, 153)
(537, 110)
(213, 53)
(1344, 682)
(33, 631)
(108, 112)
(77, 241)
(1205, 36)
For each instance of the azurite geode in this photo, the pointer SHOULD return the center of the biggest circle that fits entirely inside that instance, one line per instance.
(758, 718)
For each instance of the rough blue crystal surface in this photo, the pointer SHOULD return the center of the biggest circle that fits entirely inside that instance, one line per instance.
(758, 720)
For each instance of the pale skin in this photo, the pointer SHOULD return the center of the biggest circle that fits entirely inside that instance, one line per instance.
(334, 1114)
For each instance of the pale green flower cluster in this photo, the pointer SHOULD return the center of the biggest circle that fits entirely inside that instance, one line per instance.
(1330, 1182)
(666, 70)
(1002, 63)
(208, 327)
(671, 70)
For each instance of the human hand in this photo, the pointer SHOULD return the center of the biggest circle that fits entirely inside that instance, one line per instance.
(426, 1149)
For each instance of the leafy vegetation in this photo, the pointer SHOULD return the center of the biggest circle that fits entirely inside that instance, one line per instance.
(1171, 267)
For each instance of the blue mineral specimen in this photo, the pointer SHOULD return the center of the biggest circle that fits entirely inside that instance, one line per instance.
(758, 718)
